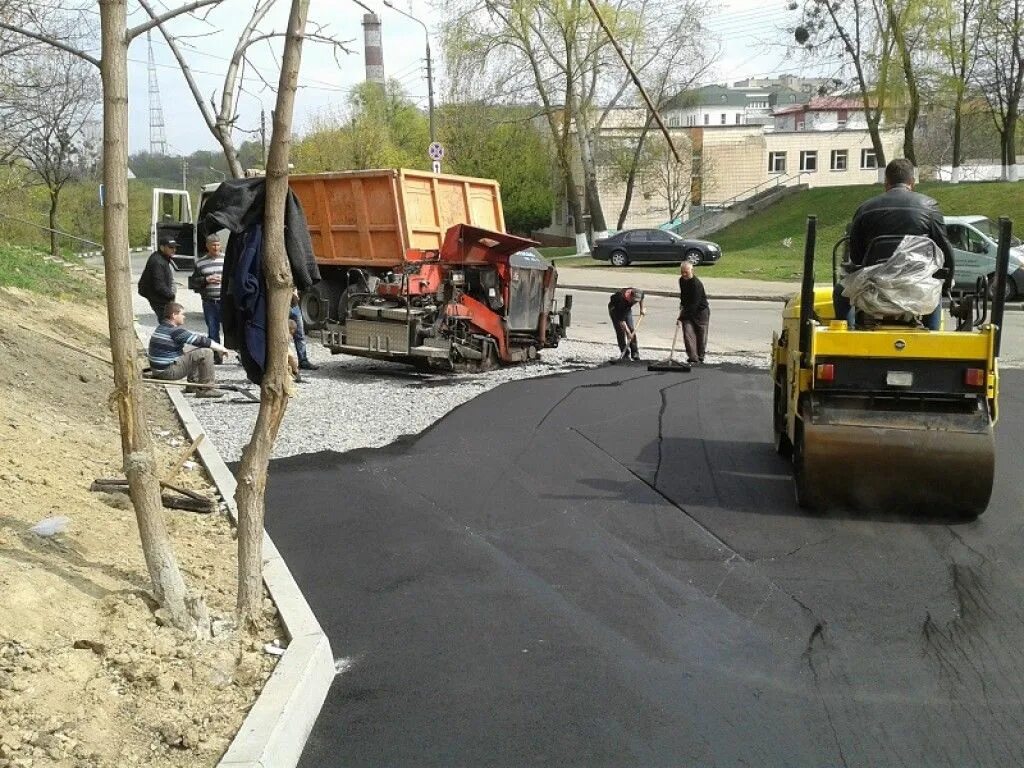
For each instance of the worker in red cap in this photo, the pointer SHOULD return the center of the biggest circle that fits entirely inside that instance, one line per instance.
(620, 310)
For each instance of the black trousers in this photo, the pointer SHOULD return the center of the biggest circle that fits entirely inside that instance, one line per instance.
(695, 335)
(618, 318)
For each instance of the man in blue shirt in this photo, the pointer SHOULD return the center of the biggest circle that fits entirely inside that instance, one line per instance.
(169, 360)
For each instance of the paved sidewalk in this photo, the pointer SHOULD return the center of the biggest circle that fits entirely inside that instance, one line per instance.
(597, 279)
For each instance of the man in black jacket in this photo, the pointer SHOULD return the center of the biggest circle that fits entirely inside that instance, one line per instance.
(898, 211)
(157, 282)
(694, 313)
(620, 310)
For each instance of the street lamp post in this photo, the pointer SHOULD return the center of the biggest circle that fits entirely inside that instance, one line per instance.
(430, 73)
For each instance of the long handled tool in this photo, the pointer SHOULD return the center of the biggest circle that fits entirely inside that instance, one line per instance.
(671, 364)
(630, 335)
(244, 391)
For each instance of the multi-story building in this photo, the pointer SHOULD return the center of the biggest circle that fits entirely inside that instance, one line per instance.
(822, 142)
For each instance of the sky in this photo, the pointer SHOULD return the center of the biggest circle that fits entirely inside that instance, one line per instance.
(750, 46)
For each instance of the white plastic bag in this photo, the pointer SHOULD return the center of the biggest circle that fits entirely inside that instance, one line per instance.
(50, 526)
(902, 286)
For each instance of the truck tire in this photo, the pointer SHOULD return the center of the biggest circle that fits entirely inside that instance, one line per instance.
(314, 305)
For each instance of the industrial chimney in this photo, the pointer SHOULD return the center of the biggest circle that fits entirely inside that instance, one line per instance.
(373, 48)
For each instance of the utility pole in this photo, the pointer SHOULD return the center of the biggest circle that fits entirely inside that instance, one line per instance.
(430, 71)
(184, 172)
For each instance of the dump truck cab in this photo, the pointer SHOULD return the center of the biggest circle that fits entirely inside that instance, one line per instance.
(890, 417)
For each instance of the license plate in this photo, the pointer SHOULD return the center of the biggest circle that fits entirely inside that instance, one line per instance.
(899, 378)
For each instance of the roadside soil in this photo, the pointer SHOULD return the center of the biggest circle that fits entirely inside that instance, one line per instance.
(89, 676)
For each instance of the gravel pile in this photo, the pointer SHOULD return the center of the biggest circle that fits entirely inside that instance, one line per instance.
(342, 406)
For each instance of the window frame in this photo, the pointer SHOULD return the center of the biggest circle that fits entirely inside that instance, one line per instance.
(864, 153)
(773, 157)
(805, 155)
(837, 153)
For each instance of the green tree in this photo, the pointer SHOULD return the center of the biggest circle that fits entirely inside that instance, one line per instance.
(379, 128)
(502, 143)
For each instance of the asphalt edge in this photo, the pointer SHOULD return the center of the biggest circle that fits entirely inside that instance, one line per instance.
(275, 730)
(675, 294)
(1012, 306)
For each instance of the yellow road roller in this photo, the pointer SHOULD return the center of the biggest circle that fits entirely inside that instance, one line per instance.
(890, 417)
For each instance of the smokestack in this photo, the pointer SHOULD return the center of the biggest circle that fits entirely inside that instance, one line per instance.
(373, 48)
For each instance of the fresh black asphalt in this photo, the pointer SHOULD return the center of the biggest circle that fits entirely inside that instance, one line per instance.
(607, 569)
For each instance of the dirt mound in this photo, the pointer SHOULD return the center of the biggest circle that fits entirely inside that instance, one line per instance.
(88, 675)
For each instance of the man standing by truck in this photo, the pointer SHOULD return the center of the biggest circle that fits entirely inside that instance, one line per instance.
(156, 285)
(205, 281)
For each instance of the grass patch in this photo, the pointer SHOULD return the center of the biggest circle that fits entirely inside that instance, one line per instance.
(557, 252)
(769, 245)
(28, 269)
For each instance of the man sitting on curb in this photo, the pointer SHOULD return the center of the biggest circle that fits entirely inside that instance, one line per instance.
(168, 359)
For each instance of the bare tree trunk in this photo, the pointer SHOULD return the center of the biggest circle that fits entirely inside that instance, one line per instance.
(958, 127)
(584, 138)
(54, 244)
(631, 176)
(136, 444)
(276, 388)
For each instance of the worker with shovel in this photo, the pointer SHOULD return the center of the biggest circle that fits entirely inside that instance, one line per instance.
(620, 310)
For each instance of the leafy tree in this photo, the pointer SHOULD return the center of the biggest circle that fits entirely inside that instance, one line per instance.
(859, 34)
(57, 123)
(502, 143)
(379, 128)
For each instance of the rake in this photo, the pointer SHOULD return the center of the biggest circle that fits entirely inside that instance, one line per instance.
(671, 364)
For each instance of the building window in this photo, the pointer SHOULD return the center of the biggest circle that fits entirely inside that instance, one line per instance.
(868, 159)
(839, 159)
(776, 162)
(673, 122)
(723, 118)
(706, 116)
(841, 117)
(737, 118)
(809, 160)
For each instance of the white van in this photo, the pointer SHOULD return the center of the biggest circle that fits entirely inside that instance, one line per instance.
(975, 241)
(172, 217)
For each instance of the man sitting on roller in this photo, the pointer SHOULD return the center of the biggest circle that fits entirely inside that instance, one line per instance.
(898, 211)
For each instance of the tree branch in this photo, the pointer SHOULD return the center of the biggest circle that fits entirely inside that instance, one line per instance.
(156, 21)
(57, 43)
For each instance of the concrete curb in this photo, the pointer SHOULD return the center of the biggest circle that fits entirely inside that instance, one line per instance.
(274, 732)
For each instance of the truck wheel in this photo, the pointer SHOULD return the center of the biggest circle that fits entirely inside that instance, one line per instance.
(314, 305)
(619, 259)
(783, 445)
(1011, 290)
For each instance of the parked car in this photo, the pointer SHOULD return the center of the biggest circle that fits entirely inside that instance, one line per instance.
(631, 245)
(975, 242)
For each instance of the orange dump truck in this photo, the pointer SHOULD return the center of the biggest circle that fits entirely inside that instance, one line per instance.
(416, 267)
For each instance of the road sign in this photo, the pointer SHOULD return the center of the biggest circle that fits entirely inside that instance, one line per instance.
(437, 166)
(435, 151)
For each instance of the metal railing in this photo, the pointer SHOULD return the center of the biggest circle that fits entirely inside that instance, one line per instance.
(49, 230)
(768, 185)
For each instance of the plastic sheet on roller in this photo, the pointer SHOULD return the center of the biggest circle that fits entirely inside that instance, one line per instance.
(902, 286)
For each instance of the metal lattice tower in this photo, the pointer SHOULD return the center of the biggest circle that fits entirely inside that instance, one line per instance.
(157, 140)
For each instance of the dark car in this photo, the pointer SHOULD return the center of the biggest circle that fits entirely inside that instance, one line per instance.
(631, 245)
